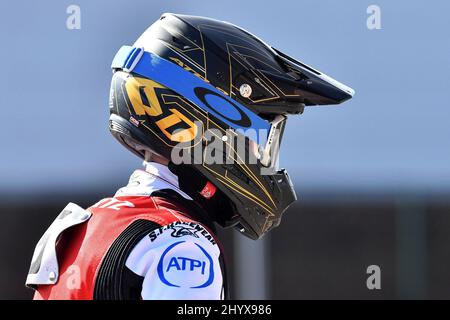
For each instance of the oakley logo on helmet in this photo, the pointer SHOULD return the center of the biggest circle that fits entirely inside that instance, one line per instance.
(225, 107)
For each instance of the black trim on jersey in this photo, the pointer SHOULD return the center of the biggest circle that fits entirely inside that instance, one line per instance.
(131, 285)
(225, 284)
(114, 281)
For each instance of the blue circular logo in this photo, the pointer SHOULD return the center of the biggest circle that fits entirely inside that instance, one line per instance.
(189, 268)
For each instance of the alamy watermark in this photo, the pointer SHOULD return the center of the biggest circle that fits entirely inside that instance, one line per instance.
(373, 282)
(374, 19)
(73, 20)
(73, 281)
(218, 146)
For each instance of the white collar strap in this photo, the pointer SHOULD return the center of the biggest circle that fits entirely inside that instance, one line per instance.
(155, 177)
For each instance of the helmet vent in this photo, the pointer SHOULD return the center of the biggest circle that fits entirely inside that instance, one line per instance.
(117, 127)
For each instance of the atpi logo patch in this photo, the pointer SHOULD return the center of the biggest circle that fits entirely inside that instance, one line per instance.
(180, 270)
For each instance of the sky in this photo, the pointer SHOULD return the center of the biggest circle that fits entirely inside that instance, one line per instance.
(392, 136)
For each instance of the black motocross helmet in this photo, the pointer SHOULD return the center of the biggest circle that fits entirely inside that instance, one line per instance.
(193, 82)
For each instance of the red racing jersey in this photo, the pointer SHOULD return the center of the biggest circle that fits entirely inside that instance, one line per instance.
(146, 242)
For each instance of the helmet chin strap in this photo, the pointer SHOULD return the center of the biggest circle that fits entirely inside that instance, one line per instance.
(150, 156)
(147, 156)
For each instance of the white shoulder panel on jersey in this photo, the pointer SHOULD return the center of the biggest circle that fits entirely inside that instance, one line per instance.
(44, 267)
(178, 261)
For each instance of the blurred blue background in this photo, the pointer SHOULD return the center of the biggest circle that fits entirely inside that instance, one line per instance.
(373, 174)
(393, 135)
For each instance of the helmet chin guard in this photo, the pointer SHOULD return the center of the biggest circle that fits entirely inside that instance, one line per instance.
(206, 89)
